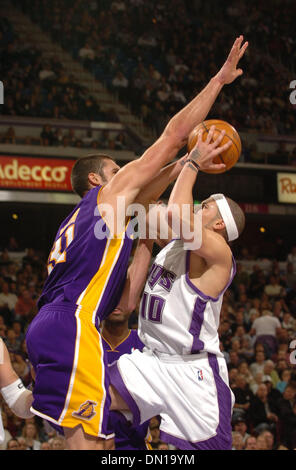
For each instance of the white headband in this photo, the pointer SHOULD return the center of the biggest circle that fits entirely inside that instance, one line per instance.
(227, 216)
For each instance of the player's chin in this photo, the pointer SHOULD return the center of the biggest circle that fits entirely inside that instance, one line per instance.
(117, 316)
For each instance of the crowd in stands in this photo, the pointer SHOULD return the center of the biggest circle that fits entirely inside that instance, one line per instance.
(257, 327)
(157, 57)
(36, 86)
(58, 137)
(155, 62)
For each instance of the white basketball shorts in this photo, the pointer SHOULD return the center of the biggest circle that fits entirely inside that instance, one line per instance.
(190, 393)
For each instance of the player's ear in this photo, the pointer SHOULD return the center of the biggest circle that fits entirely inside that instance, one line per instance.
(219, 225)
(94, 179)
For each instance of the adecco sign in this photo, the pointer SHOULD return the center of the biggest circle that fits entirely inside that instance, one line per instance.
(286, 184)
(35, 173)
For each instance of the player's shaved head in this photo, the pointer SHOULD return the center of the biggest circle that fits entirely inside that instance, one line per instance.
(236, 211)
(93, 163)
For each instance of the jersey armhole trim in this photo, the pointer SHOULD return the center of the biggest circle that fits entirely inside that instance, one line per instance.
(197, 290)
(117, 236)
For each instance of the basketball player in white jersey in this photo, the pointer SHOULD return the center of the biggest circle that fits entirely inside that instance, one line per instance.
(181, 374)
(13, 391)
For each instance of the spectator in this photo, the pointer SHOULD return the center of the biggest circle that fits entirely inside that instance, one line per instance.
(120, 81)
(237, 441)
(287, 414)
(25, 307)
(11, 341)
(261, 442)
(12, 444)
(58, 443)
(273, 289)
(46, 73)
(30, 433)
(289, 323)
(290, 275)
(47, 136)
(291, 257)
(87, 52)
(261, 413)
(258, 365)
(17, 328)
(251, 443)
(7, 435)
(8, 300)
(270, 373)
(257, 380)
(273, 394)
(285, 378)
(244, 370)
(243, 397)
(22, 443)
(154, 431)
(269, 439)
(266, 328)
(240, 426)
(45, 446)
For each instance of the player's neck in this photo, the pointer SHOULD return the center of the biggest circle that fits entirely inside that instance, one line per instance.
(114, 333)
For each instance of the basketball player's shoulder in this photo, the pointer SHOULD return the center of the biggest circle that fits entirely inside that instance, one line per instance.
(214, 248)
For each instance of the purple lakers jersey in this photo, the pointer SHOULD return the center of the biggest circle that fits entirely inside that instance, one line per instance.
(130, 343)
(86, 267)
(127, 437)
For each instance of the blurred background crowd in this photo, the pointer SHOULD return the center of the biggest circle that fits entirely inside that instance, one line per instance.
(154, 57)
(155, 63)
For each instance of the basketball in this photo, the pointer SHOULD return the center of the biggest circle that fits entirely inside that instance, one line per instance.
(230, 156)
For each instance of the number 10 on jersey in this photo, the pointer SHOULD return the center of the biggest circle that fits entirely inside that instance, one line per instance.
(152, 307)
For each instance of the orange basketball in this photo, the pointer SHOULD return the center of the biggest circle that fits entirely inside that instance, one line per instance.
(230, 156)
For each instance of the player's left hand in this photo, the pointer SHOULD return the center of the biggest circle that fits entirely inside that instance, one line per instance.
(204, 152)
(229, 71)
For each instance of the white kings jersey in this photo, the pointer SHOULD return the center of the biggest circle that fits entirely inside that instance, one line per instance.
(175, 316)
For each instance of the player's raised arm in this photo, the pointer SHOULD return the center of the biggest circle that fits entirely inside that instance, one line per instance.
(135, 175)
(181, 216)
(15, 394)
(136, 276)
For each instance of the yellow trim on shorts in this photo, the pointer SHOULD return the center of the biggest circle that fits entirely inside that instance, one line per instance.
(87, 379)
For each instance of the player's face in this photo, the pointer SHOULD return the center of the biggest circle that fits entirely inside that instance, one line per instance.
(117, 316)
(110, 169)
(209, 212)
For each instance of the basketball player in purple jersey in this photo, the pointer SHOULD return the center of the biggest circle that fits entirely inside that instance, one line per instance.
(87, 274)
(117, 340)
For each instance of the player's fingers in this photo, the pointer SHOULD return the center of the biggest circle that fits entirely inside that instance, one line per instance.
(210, 134)
(217, 166)
(199, 137)
(221, 149)
(236, 45)
(219, 139)
(243, 49)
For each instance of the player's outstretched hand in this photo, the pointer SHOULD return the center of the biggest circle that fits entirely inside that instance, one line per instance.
(229, 71)
(204, 152)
